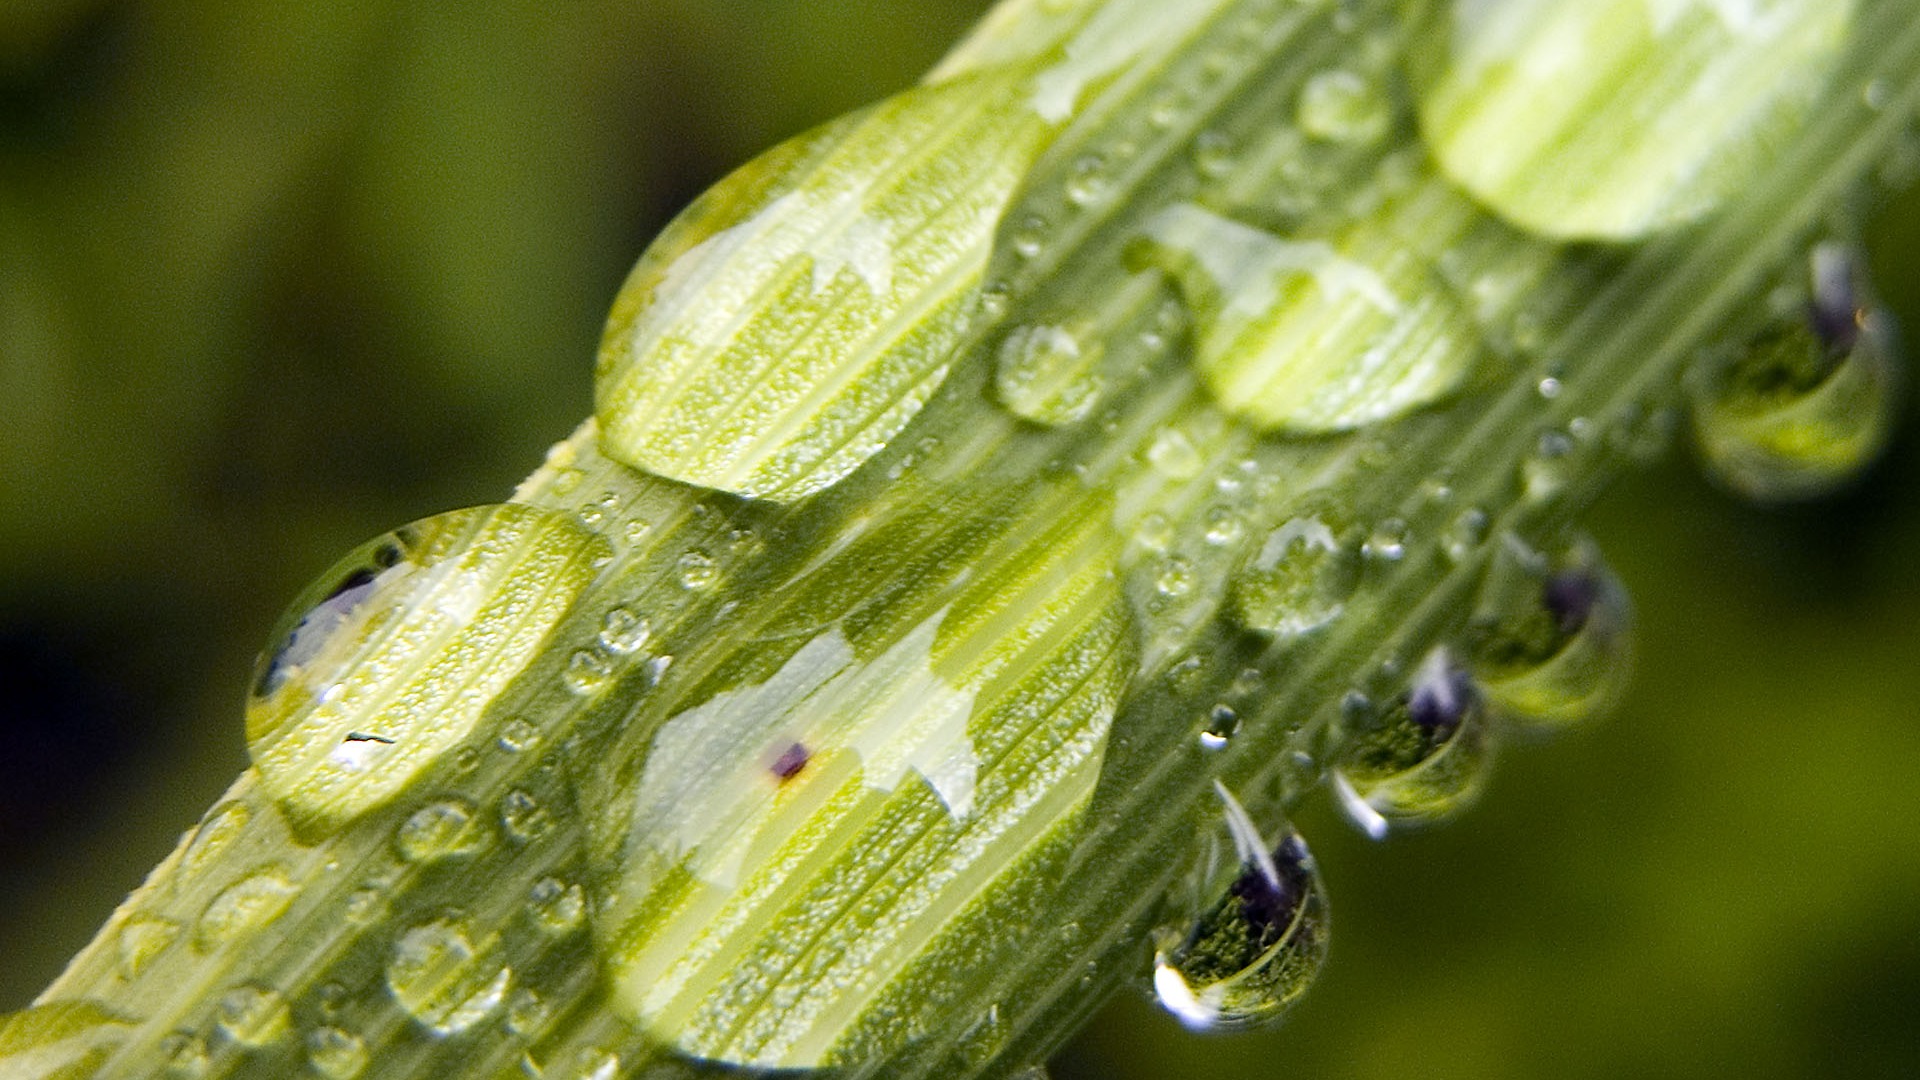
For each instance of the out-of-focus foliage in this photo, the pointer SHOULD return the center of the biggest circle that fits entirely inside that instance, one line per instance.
(275, 277)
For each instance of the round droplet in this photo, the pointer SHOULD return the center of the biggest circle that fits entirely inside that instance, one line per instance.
(1173, 455)
(1048, 374)
(336, 1053)
(1256, 932)
(1344, 107)
(1424, 759)
(1297, 581)
(218, 830)
(523, 817)
(1551, 638)
(557, 907)
(589, 672)
(389, 660)
(444, 829)
(593, 1063)
(1223, 722)
(253, 1015)
(60, 1040)
(1809, 403)
(527, 1014)
(697, 571)
(186, 1056)
(623, 633)
(244, 907)
(518, 734)
(443, 981)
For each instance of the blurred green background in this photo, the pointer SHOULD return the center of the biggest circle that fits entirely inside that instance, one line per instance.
(277, 277)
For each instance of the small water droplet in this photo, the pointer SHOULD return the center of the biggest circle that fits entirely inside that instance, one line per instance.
(557, 907)
(1087, 183)
(1466, 533)
(186, 1056)
(657, 669)
(523, 817)
(1223, 722)
(1422, 760)
(1297, 581)
(440, 830)
(527, 1014)
(1045, 373)
(253, 1015)
(1154, 532)
(1813, 400)
(1344, 107)
(623, 633)
(142, 940)
(1551, 638)
(367, 904)
(1224, 527)
(1253, 929)
(222, 825)
(589, 671)
(1213, 154)
(442, 980)
(336, 1053)
(244, 907)
(1030, 237)
(1173, 455)
(1176, 577)
(698, 571)
(518, 734)
(593, 1063)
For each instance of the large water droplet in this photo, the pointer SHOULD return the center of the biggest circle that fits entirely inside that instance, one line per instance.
(1297, 581)
(443, 980)
(392, 657)
(1257, 933)
(1551, 639)
(244, 907)
(61, 1040)
(1811, 401)
(1423, 759)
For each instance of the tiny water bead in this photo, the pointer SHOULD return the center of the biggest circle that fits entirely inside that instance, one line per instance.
(1422, 759)
(391, 658)
(1615, 119)
(443, 980)
(60, 1040)
(1812, 400)
(1256, 932)
(1551, 640)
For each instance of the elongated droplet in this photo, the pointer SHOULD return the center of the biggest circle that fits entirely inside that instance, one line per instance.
(1813, 400)
(1424, 760)
(1258, 935)
(1319, 334)
(1551, 639)
(1613, 119)
(62, 1040)
(392, 657)
(798, 315)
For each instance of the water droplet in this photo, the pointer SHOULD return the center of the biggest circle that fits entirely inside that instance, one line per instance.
(391, 658)
(222, 825)
(1255, 929)
(1044, 373)
(624, 633)
(1213, 154)
(1223, 722)
(1810, 402)
(1176, 577)
(1173, 455)
(367, 904)
(1551, 639)
(1154, 532)
(443, 981)
(336, 1053)
(1387, 542)
(698, 571)
(244, 907)
(1030, 237)
(186, 1056)
(518, 734)
(588, 672)
(557, 907)
(1087, 183)
(593, 1063)
(1423, 759)
(523, 817)
(1297, 581)
(253, 1015)
(141, 941)
(1344, 107)
(1467, 532)
(440, 830)
(527, 1014)
(1224, 527)
(1545, 472)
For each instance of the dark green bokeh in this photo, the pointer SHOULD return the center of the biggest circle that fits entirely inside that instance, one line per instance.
(275, 278)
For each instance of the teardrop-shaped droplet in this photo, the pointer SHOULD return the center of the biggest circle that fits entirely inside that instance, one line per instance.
(1812, 401)
(1424, 759)
(1297, 580)
(61, 1040)
(1257, 935)
(796, 317)
(1316, 335)
(391, 658)
(1613, 119)
(1551, 639)
(445, 981)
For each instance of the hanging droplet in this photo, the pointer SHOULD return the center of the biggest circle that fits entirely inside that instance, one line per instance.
(443, 980)
(1551, 639)
(391, 659)
(244, 907)
(1317, 335)
(253, 1015)
(1257, 933)
(1424, 759)
(1810, 402)
(60, 1040)
(444, 829)
(1297, 581)
(1614, 119)
(336, 1053)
